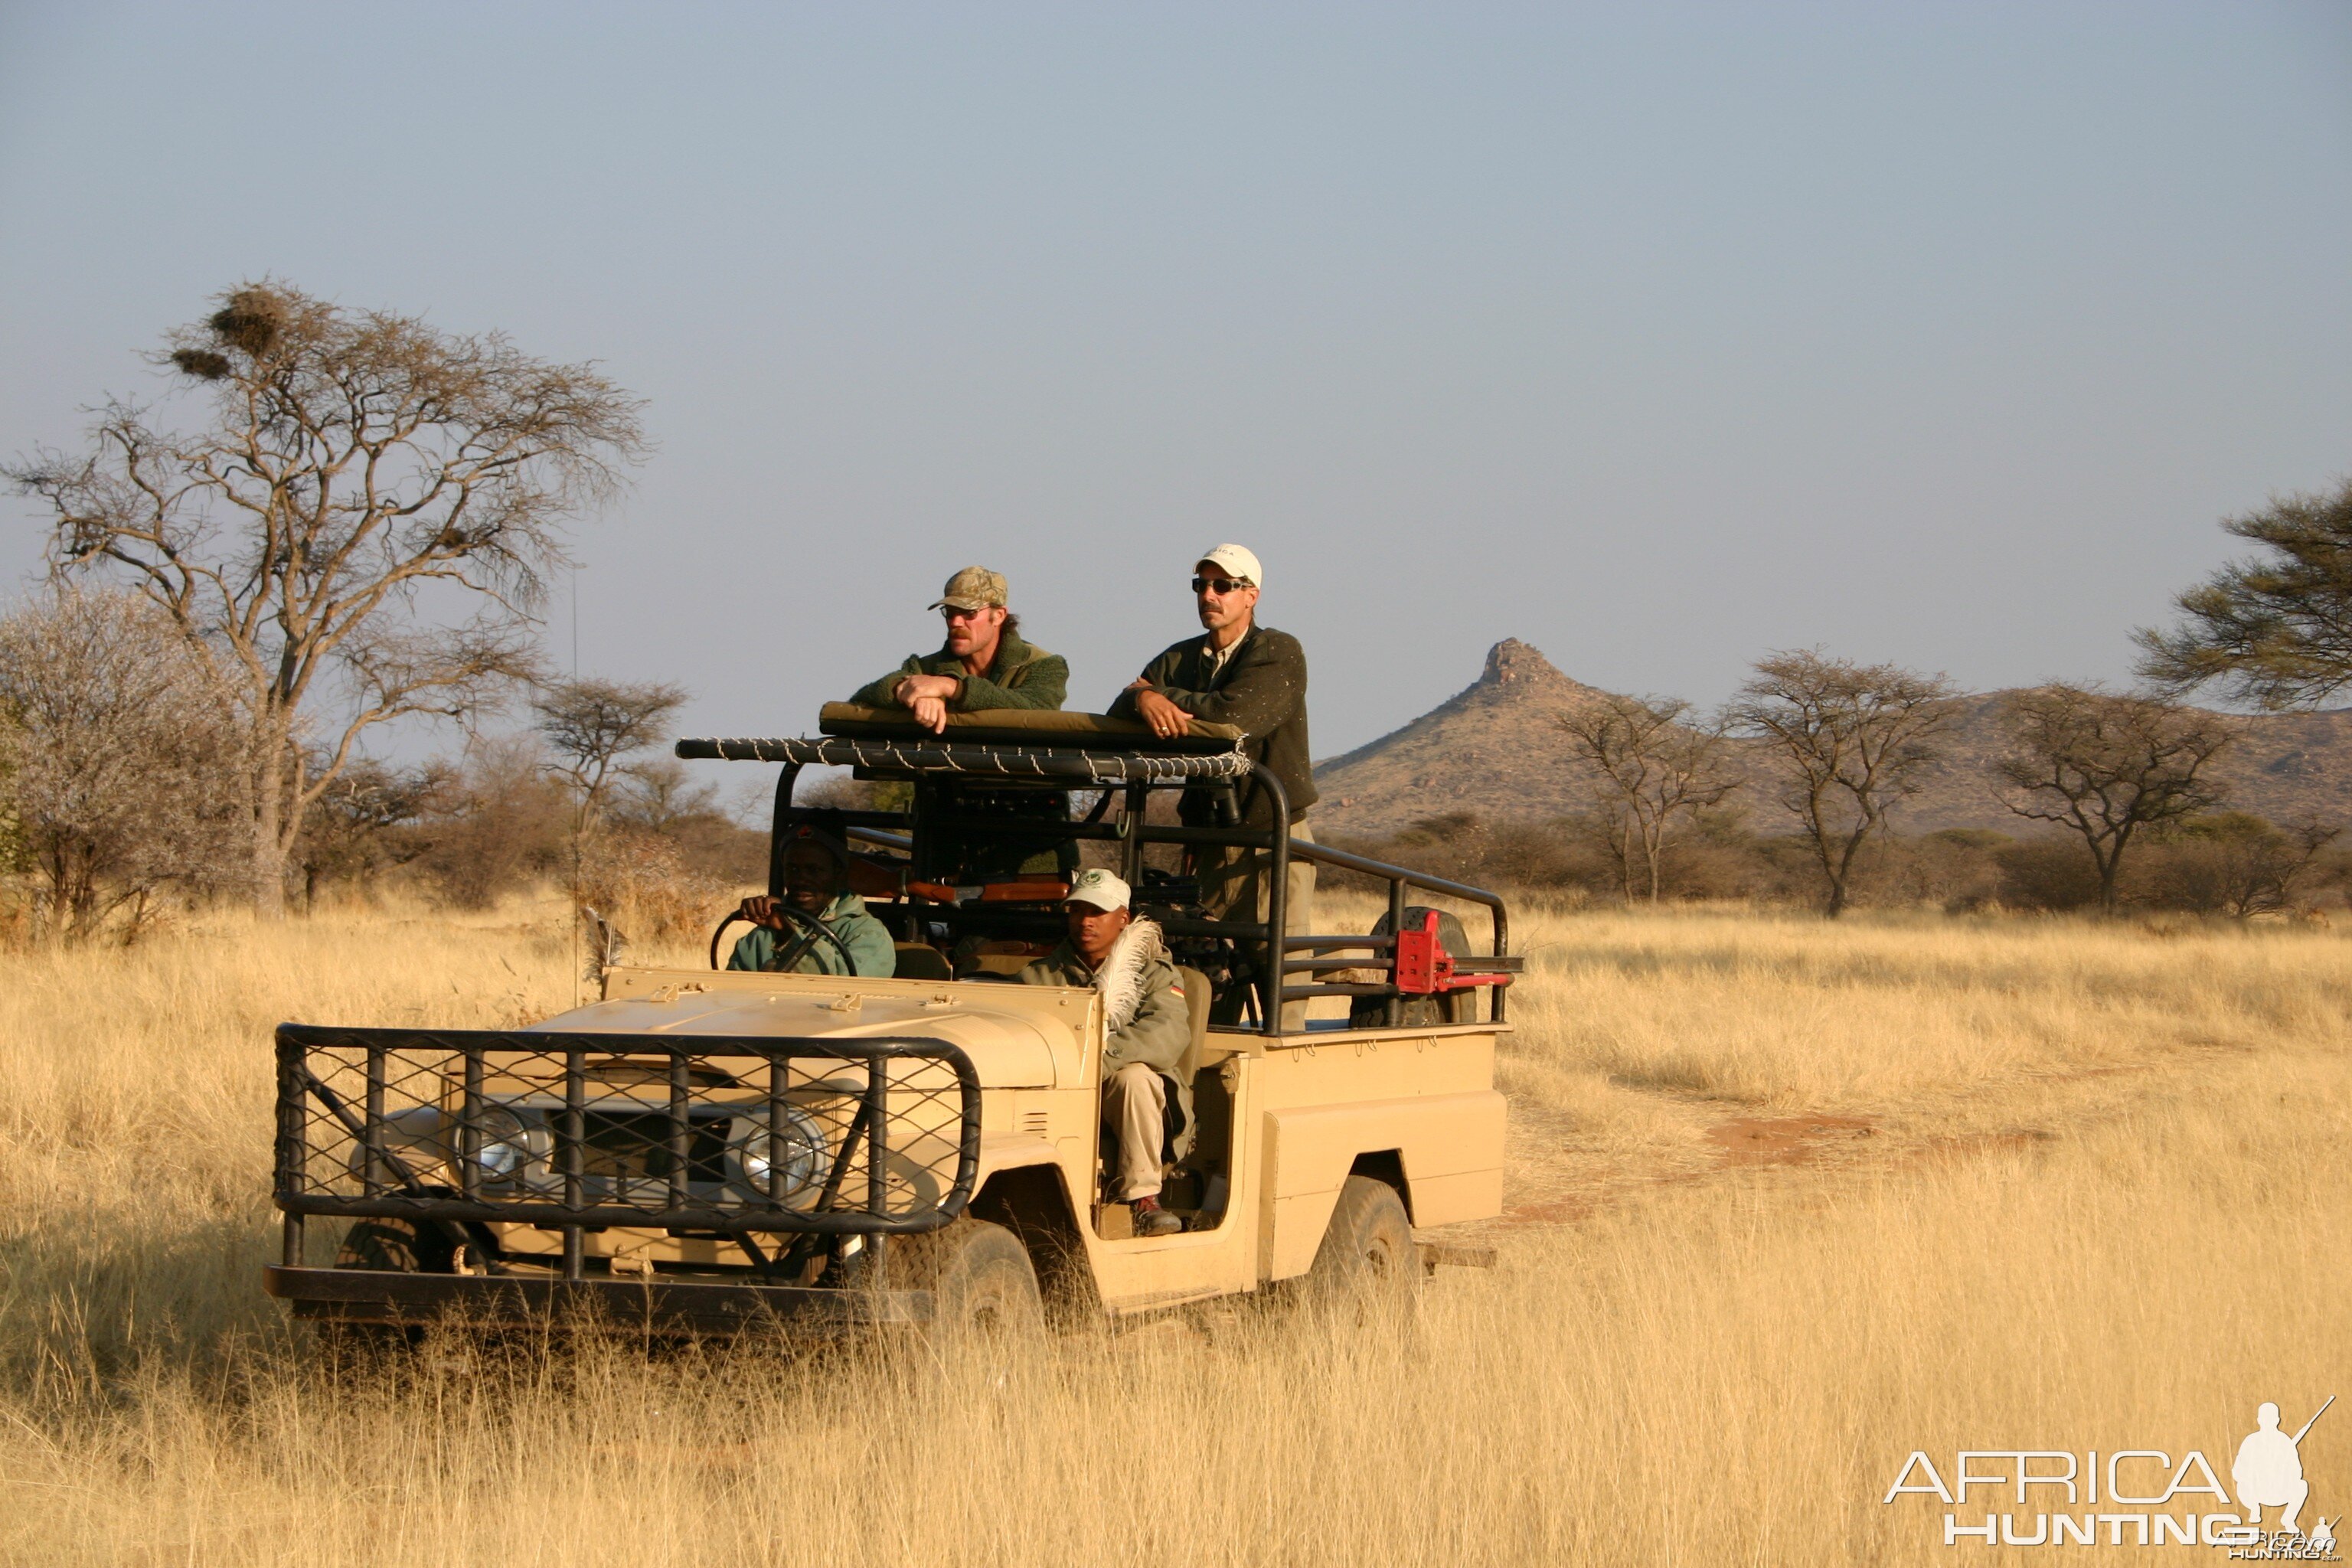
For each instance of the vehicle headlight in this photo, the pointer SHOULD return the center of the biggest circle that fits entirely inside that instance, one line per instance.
(500, 1146)
(797, 1152)
(413, 1135)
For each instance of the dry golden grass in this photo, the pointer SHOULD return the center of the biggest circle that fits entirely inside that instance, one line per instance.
(2075, 1186)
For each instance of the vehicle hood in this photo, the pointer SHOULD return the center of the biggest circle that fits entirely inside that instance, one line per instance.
(1011, 1044)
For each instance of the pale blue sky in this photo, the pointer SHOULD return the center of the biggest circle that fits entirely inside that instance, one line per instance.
(1655, 336)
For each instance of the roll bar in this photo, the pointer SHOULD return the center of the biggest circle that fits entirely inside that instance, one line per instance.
(1407, 962)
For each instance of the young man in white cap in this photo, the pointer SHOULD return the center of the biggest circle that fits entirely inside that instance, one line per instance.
(1254, 678)
(983, 663)
(1149, 1026)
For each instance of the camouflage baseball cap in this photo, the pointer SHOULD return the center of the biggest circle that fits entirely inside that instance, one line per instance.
(974, 588)
(1097, 888)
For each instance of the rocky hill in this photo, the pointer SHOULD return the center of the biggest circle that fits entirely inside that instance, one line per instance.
(1494, 749)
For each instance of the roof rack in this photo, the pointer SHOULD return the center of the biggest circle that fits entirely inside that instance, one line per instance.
(1093, 759)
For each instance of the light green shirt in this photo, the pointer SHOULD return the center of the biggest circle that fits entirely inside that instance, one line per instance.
(867, 940)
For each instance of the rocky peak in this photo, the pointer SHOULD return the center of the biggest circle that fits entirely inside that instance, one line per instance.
(1516, 673)
(1511, 660)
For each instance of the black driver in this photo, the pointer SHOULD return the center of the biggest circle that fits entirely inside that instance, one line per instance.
(819, 926)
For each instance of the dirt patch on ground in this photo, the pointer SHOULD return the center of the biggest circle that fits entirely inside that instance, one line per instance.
(1787, 1140)
(1555, 1179)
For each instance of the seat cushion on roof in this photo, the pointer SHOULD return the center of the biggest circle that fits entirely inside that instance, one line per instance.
(1026, 726)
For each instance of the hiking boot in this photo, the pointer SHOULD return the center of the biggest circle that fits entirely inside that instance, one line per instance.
(1150, 1219)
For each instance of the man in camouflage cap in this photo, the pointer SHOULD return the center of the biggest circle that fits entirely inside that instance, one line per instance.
(983, 663)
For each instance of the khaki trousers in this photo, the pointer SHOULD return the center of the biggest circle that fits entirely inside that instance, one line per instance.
(1233, 877)
(1135, 1107)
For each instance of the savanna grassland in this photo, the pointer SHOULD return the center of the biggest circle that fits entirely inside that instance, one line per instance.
(1788, 1200)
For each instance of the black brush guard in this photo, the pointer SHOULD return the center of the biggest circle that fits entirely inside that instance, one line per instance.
(454, 1130)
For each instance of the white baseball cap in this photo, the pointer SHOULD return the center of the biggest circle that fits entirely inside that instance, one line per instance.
(1097, 888)
(1236, 561)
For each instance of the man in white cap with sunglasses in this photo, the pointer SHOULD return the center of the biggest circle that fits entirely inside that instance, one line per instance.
(1254, 679)
(1148, 1027)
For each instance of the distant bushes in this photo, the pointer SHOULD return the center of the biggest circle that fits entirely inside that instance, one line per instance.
(2229, 863)
(659, 860)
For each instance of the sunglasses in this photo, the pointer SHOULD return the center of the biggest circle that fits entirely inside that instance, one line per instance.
(1220, 586)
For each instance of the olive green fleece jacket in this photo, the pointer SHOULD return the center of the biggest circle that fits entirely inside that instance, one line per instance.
(1262, 692)
(867, 940)
(1162, 1026)
(1020, 675)
(1159, 1034)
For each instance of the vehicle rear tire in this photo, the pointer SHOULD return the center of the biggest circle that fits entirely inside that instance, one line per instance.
(982, 1285)
(1367, 1262)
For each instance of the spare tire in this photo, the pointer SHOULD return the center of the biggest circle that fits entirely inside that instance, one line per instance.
(1418, 1012)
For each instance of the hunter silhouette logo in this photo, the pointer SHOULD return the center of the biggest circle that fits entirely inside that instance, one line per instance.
(2133, 1497)
(2269, 1467)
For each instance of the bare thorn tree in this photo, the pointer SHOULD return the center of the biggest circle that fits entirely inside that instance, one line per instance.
(123, 759)
(2106, 766)
(1652, 769)
(658, 796)
(2275, 630)
(356, 464)
(1851, 739)
(591, 725)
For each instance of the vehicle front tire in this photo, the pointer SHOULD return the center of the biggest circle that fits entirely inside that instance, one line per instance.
(397, 1246)
(982, 1285)
(392, 1247)
(1367, 1261)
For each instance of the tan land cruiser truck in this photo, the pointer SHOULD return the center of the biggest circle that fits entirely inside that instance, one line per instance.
(705, 1151)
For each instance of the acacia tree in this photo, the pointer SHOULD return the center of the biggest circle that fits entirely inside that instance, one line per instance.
(356, 465)
(2107, 766)
(2275, 630)
(1852, 740)
(591, 725)
(1651, 769)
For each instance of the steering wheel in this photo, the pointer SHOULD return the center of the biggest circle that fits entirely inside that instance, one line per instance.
(811, 930)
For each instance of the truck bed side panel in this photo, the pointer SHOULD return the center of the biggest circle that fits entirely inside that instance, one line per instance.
(1451, 1147)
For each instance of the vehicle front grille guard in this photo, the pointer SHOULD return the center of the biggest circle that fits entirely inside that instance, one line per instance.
(726, 1136)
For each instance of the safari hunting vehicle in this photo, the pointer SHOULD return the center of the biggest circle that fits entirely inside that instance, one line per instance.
(709, 1151)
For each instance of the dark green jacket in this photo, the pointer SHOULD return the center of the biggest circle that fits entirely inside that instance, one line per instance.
(1020, 677)
(1262, 691)
(867, 940)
